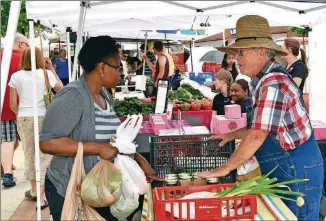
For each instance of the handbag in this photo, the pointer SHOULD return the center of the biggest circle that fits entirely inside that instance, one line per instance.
(48, 94)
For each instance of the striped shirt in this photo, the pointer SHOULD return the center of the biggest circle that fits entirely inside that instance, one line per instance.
(106, 123)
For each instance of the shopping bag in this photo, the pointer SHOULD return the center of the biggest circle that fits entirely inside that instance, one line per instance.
(128, 201)
(102, 185)
(74, 208)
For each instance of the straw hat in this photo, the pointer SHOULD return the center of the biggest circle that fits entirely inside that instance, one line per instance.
(253, 32)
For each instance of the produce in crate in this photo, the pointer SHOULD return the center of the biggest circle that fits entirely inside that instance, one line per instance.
(184, 107)
(195, 106)
(207, 105)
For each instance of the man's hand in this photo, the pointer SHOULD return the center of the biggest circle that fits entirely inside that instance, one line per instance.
(224, 138)
(218, 172)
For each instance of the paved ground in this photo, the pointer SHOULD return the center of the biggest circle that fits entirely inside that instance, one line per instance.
(11, 198)
(14, 206)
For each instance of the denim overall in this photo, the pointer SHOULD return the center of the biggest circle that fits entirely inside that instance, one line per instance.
(304, 162)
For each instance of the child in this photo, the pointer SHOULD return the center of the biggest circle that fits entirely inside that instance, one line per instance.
(223, 82)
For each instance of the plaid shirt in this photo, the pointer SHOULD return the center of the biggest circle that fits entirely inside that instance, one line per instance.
(278, 108)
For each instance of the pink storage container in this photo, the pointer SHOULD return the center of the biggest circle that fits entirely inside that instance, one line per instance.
(220, 124)
(232, 111)
(158, 122)
(320, 132)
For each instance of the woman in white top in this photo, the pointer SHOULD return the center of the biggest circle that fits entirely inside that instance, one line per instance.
(21, 86)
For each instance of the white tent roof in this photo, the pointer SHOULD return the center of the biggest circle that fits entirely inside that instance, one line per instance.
(138, 15)
(131, 16)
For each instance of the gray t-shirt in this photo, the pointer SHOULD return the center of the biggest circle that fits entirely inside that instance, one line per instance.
(71, 114)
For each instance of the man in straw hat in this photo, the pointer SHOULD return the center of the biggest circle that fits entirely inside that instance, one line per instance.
(279, 132)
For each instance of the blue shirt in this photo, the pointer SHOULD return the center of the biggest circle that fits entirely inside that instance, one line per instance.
(62, 68)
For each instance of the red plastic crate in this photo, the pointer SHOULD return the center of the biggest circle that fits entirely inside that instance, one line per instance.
(201, 209)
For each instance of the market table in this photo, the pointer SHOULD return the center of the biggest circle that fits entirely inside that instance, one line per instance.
(205, 116)
(269, 208)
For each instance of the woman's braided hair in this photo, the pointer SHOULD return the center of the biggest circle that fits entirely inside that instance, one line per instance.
(226, 76)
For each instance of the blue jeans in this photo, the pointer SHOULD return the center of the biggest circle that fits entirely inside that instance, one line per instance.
(304, 162)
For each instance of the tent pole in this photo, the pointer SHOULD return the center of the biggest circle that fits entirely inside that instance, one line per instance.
(145, 52)
(192, 62)
(68, 30)
(137, 49)
(224, 37)
(8, 46)
(49, 49)
(82, 13)
(36, 130)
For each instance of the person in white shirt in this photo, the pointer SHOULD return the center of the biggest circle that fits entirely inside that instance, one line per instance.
(21, 86)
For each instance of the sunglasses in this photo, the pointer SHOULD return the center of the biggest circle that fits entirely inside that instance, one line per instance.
(118, 68)
(241, 52)
(27, 45)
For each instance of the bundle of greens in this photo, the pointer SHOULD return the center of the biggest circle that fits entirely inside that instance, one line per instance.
(266, 186)
(180, 95)
(196, 94)
(132, 106)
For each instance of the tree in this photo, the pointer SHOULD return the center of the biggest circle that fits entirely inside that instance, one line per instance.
(22, 26)
(299, 31)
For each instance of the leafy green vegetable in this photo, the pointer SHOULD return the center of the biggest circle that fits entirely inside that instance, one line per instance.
(196, 94)
(185, 93)
(132, 106)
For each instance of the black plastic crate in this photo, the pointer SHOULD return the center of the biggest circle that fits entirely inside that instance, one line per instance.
(188, 154)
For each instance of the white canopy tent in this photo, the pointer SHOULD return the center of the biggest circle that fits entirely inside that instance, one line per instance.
(172, 14)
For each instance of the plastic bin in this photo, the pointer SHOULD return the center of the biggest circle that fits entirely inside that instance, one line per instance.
(200, 78)
(168, 204)
(188, 154)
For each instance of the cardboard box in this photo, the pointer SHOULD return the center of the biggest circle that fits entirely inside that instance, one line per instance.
(185, 182)
(199, 182)
(220, 124)
(232, 111)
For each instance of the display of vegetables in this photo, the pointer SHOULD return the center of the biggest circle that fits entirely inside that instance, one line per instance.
(266, 186)
(133, 106)
(188, 98)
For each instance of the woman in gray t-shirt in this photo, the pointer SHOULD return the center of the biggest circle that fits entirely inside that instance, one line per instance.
(82, 112)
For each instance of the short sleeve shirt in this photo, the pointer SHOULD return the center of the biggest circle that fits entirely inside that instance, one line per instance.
(299, 70)
(62, 68)
(279, 109)
(219, 102)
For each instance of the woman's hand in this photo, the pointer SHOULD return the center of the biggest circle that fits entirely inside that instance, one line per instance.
(149, 172)
(218, 172)
(107, 151)
(224, 138)
(146, 167)
(48, 64)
